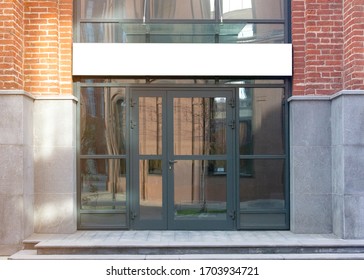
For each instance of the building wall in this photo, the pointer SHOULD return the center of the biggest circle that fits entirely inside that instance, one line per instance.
(35, 73)
(326, 117)
(327, 185)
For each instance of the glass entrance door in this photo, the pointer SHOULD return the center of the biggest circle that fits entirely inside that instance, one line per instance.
(182, 161)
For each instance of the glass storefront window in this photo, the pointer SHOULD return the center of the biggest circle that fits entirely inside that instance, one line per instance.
(261, 125)
(111, 9)
(103, 121)
(181, 33)
(182, 9)
(253, 9)
(200, 191)
(180, 21)
(150, 125)
(251, 33)
(262, 187)
(103, 184)
(200, 126)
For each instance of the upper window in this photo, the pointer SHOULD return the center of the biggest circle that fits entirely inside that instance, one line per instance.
(181, 21)
(252, 9)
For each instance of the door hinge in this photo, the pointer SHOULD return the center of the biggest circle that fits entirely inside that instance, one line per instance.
(232, 215)
(133, 215)
(132, 124)
(232, 102)
(132, 102)
(232, 124)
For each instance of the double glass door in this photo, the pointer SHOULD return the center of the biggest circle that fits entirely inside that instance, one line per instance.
(182, 159)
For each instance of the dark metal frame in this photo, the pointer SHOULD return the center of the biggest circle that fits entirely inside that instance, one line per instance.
(287, 89)
(235, 156)
(217, 20)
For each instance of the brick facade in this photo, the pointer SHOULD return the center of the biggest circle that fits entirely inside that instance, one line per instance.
(327, 37)
(11, 45)
(36, 44)
(353, 44)
(317, 38)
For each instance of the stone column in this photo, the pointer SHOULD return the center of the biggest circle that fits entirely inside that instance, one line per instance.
(348, 163)
(55, 203)
(17, 169)
(310, 164)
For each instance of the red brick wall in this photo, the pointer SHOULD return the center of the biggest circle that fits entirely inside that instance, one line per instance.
(48, 40)
(35, 44)
(317, 38)
(36, 41)
(354, 44)
(11, 45)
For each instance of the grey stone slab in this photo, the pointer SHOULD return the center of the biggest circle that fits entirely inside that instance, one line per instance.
(11, 119)
(337, 133)
(354, 170)
(354, 216)
(28, 215)
(28, 170)
(28, 105)
(11, 229)
(338, 215)
(55, 169)
(310, 123)
(54, 123)
(311, 168)
(55, 213)
(338, 169)
(311, 213)
(11, 171)
(353, 119)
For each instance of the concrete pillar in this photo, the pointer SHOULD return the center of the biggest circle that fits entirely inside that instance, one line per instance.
(310, 165)
(17, 169)
(55, 202)
(347, 120)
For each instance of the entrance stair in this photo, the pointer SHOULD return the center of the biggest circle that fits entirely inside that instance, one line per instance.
(139, 245)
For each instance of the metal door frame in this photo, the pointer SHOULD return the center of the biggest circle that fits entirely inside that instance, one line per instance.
(135, 222)
(167, 221)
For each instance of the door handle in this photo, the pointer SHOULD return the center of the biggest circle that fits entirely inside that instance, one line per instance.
(171, 163)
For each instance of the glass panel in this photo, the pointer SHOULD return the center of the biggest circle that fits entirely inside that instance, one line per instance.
(112, 33)
(182, 9)
(150, 191)
(103, 121)
(150, 125)
(101, 33)
(107, 9)
(261, 184)
(182, 33)
(199, 191)
(253, 9)
(103, 184)
(199, 126)
(251, 33)
(261, 121)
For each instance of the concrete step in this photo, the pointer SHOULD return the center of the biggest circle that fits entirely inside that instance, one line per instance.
(189, 244)
(32, 255)
(102, 248)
